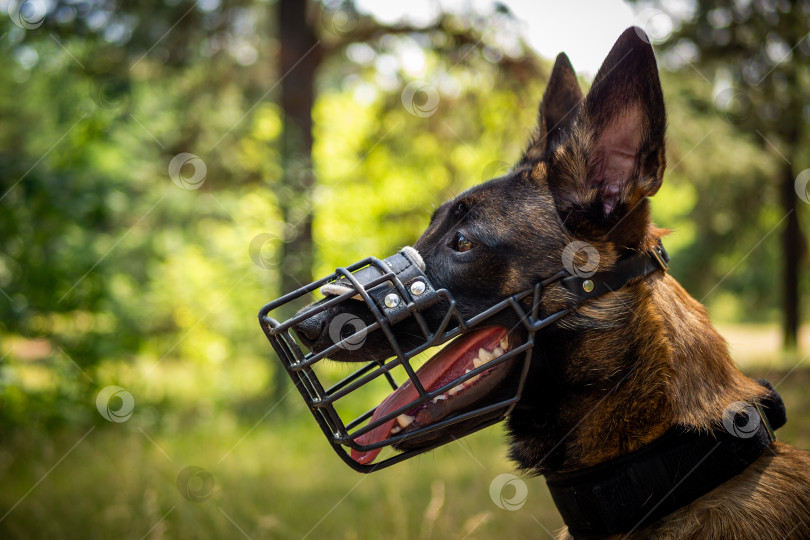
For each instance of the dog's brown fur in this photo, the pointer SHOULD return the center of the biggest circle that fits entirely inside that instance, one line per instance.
(688, 378)
(682, 373)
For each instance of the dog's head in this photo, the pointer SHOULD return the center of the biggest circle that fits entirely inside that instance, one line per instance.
(584, 180)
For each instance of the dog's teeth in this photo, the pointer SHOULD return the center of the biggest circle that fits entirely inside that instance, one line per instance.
(439, 398)
(484, 356)
(504, 344)
(497, 352)
(467, 371)
(395, 430)
(456, 389)
(473, 379)
(404, 420)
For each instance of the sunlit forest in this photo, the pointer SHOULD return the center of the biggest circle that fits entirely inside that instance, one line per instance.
(167, 167)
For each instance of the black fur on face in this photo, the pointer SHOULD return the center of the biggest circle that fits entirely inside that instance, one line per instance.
(515, 236)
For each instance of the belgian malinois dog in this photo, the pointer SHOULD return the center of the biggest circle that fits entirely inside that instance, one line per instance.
(613, 380)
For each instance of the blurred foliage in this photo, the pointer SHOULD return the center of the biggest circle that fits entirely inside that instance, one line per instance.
(112, 273)
(755, 56)
(718, 202)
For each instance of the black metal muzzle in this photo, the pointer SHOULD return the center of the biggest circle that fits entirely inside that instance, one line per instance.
(397, 294)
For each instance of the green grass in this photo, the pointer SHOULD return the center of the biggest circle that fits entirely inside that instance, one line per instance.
(279, 480)
(276, 477)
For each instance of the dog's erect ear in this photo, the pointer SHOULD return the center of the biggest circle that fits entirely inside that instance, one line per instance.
(558, 110)
(615, 159)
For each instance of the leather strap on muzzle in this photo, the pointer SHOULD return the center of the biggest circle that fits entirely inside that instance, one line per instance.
(401, 288)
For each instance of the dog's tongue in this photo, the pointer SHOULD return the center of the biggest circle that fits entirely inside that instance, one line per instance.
(452, 358)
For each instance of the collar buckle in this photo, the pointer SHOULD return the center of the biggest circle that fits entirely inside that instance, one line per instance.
(660, 256)
(765, 421)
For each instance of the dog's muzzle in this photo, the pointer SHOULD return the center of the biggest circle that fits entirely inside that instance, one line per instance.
(392, 310)
(425, 400)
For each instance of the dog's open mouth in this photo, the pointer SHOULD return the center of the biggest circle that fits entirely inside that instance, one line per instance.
(467, 353)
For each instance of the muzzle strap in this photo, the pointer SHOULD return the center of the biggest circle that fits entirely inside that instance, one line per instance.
(398, 286)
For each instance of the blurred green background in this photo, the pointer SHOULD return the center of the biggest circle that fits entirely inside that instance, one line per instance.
(311, 135)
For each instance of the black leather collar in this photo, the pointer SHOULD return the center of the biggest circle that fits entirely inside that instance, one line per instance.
(639, 488)
(585, 287)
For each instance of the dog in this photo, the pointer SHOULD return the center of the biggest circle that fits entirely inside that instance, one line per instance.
(623, 371)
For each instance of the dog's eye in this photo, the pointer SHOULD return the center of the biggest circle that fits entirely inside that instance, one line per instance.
(462, 243)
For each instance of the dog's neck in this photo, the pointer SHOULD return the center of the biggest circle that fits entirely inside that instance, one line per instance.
(704, 378)
(619, 373)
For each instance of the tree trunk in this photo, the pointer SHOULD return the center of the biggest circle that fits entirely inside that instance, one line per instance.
(299, 63)
(792, 248)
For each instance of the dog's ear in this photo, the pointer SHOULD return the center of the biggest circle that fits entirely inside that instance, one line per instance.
(614, 159)
(558, 109)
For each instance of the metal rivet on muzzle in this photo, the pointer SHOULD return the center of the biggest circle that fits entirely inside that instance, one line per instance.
(417, 288)
(587, 285)
(391, 300)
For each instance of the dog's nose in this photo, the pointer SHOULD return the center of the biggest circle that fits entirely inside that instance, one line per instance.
(310, 329)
